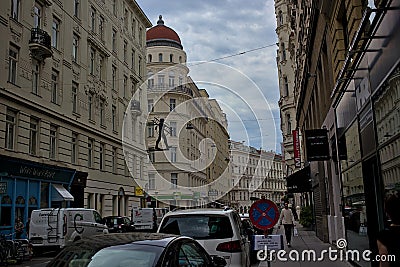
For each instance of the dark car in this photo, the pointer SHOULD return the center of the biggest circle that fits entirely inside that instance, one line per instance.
(135, 249)
(119, 224)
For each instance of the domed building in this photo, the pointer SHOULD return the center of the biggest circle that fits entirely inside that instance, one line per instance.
(179, 171)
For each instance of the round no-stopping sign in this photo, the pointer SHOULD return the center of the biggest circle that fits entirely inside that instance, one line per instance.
(264, 214)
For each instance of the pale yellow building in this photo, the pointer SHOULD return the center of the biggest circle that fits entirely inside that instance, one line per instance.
(70, 69)
(192, 154)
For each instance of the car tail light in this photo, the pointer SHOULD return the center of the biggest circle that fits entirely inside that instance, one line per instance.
(231, 246)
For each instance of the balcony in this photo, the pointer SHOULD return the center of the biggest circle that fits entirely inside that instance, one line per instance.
(135, 108)
(40, 44)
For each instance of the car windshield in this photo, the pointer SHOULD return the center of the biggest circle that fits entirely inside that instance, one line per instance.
(198, 226)
(116, 256)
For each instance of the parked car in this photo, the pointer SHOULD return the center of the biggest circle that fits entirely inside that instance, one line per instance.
(119, 224)
(220, 232)
(135, 249)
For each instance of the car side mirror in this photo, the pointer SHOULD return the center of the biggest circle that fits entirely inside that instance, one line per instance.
(218, 261)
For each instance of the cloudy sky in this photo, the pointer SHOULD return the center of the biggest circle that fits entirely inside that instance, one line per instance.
(213, 29)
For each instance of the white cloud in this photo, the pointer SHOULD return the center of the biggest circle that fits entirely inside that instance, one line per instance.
(212, 29)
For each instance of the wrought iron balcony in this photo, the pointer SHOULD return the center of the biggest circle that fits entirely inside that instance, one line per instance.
(40, 44)
(135, 108)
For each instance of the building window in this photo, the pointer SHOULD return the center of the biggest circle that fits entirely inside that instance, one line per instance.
(133, 60)
(33, 136)
(35, 77)
(286, 86)
(280, 18)
(92, 61)
(140, 66)
(152, 181)
(102, 68)
(171, 57)
(37, 15)
(114, 118)
(141, 129)
(289, 124)
(141, 36)
(101, 28)
(160, 59)
(150, 58)
(126, 17)
(15, 5)
(283, 51)
(150, 131)
(125, 86)
(76, 8)
(150, 105)
(11, 121)
(53, 142)
(160, 80)
(173, 154)
(114, 7)
(133, 27)
(174, 180)
(74, 148)
(90, 152)
(114, 40)
(12, 64)
(152, 156)
(172, 104)
(125, 51)
(171, 81)
(172, 126)
(55, 32)
(114, 160)
(90, 106)
(93, 19)
(102, 112)
(54, 86)
(75, 48)
(101, 156)
(75, 87)
(114, 77)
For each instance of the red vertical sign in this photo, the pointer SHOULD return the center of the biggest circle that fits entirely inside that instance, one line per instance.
(296, 149)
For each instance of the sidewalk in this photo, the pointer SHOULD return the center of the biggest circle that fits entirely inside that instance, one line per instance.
(306, 240)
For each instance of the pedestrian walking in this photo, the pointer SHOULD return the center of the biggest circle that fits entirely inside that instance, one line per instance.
(388, 240)
(287, 219)
(19, 228)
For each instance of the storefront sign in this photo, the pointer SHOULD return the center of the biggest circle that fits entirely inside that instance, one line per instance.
(3, 187)
(296, 149)
(317, 145)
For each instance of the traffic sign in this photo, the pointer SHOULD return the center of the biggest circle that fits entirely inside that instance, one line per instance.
(264, 214)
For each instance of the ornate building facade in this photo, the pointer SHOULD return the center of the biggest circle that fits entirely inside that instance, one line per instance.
(255, 173)
(71, 68)
(188, 152)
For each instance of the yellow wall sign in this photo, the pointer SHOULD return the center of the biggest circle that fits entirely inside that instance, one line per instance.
(139, 191)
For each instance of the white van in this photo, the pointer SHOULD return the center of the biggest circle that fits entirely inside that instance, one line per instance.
(62, 226)
(147, 218)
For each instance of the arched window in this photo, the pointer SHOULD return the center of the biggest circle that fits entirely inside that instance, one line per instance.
(180, 59)
(150, 58)
(171, 57)
(160, 57)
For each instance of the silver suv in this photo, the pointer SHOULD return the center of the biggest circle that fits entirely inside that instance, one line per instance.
(220, 232)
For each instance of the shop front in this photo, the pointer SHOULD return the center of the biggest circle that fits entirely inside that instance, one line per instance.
(368, 128)
(27, 185)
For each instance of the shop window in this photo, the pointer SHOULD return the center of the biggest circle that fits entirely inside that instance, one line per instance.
(5, 219)
(44, 195)
(6, 200)
(20, 200)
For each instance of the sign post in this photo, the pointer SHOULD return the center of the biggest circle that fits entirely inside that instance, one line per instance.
(264, 214)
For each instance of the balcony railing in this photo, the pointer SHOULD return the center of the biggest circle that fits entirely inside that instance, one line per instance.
(40, 44)
(164, 87)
